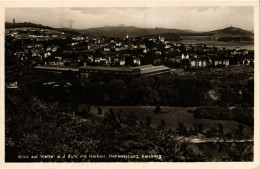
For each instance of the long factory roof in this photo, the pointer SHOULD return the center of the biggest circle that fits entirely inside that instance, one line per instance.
(143, 69)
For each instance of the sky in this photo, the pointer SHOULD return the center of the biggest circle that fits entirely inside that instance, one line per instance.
(192, 18)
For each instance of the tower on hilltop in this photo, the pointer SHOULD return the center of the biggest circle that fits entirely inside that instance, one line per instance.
(13, 20)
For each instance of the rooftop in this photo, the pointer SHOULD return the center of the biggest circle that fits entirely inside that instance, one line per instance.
(151, 69)
(145, 69)
(126, 69)
(61, 68)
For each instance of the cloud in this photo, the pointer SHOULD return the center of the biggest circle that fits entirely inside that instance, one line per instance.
(202, 18)
(194, 18)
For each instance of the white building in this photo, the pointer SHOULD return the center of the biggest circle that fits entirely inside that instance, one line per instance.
(185, 56)
(137, 61)
(122, 62)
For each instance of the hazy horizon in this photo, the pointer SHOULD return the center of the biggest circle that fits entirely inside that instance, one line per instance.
(185, 18)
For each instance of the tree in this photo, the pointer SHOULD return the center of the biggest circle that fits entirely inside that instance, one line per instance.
(85, 111)
(229, 135)
(148, 121)
(240, 131)
(162, 124)
(220, 127)
(200, 128)
(211, 133)
(157, 109)
(182, 130)
(241, 128)
(99, 110)
(131, 119)
(141, 123)
(239, 152)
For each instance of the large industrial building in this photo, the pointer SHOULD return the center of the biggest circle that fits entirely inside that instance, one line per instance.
(85, 71)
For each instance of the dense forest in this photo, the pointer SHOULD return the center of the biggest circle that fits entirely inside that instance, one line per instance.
(9, 25)
(34, 127)
(165, 90)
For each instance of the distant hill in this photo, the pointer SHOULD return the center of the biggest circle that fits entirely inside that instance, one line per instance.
(172, 34)
(68, 31)
(226, 34)
(231, 32)
(9, 25)
(131, 31)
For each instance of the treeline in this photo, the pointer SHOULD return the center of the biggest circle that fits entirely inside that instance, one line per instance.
(9, 25)
(166, 91)
(236, 39)
(162, 90)
(68, 31)
(239, 114)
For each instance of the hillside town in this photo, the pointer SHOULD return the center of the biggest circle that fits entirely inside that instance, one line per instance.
(51, 48)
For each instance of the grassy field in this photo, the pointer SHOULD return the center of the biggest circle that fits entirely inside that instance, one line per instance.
(209, 41)
(172, 116)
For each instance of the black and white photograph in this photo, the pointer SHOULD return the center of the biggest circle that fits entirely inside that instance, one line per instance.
(129, 84)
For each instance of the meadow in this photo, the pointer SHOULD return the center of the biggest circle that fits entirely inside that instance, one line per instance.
(172, 117)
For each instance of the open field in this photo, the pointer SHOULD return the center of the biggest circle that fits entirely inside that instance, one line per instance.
(212, 41)
(172, 116)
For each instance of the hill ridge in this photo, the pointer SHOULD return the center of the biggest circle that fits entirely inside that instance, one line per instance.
(133, 31)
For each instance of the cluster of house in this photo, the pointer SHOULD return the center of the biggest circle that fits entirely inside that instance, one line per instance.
(36, 34)
(200, 61)
(122, 52)
(35, 52)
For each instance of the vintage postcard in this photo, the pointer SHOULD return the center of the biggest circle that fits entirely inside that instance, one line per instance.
(130, 84)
